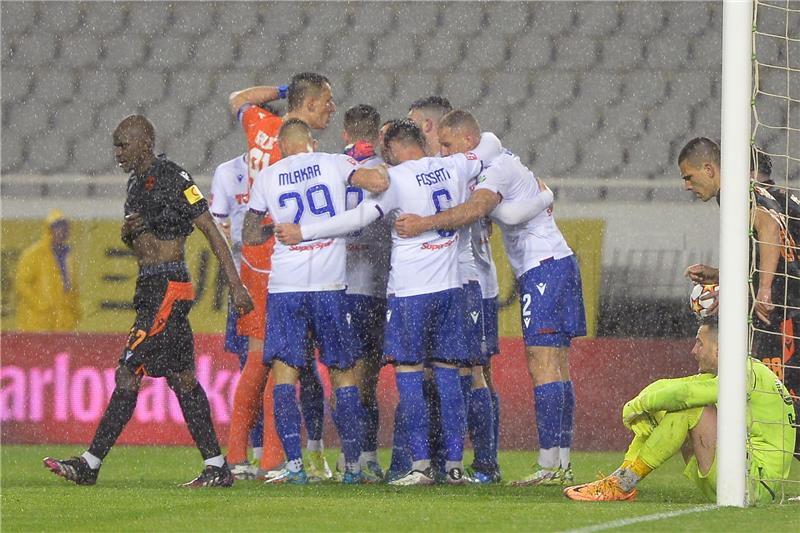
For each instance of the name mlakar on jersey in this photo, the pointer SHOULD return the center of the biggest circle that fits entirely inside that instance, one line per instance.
(296, 176)
(431, 178)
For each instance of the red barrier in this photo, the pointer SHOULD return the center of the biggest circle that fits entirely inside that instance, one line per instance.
(54, 388)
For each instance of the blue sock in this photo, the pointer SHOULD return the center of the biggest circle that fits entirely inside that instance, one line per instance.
(435, 438)
(257, 433)
(481, 429)
(452, 411)
(496, 419)
(287, 420)
(466, 389)
(312, 401)
(549, 408)
(369, 441)
(413, 413)
(567, 422)
(401, 453)
(348, 419)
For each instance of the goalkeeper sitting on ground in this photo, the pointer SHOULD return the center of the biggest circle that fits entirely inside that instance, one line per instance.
(680, 414)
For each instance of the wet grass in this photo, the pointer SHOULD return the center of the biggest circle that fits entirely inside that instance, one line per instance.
(137, 491)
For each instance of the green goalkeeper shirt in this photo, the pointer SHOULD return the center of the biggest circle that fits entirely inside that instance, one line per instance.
(770, 413)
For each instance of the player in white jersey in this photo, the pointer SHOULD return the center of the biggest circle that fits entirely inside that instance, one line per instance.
(228, 205)
(551, 298)
(306, 288)
(368, 252)
(424, 322)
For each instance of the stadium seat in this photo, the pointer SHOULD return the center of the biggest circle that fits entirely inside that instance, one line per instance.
(144, 86)
(230, 80)
(519, 143)
(325, 19)
(770, 50)
(625, 120)
(491, 118)
(650, 155)
(602, 156)
(34, 50)
(215, 50)
(51, 153)
(169, 117)
(226, 148)
(372, 20)
(442, 53)
(687, 18)
(124, 51)
(707, 120)
(259, 49)
(772, 111)
(103, 18)
(304, 51)
(576, 53)
(463, 89)
(621, 53)
(772, 80)
(79, 50)
(532, 50)
(707, 52)
(19, 17)
(280, 18)
(666, 52)
(691, 87)
(187, 19)
(94, 155)
(645, 88)
(507, 18)
(486, 51)
(210, 122)
(552, 18)
(600, 88)
(672, 120)
(372, 86)
(190, 152)
(554, 87)
(190, 87)
(16, 84)
(12, 149)
(508, 88)
(643, 19)
(580, 121)
(98, 87)
(107, 119)
(417, 18)
(149, 18)
(168, 52)
(330, 140)
(555, 157)
(57, 17)
(463, 18)
(598, 19)
(410, 86)
(52, 86)
(344, 53)
(533, 119)
(27, 118)
(73, 119)
(236, 18)
(395, 51)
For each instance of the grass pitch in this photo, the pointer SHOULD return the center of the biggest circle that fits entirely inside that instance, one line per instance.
(136, 492)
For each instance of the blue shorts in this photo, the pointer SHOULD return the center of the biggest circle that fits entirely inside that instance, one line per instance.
(551, 303)
(368, 319)
(426, 328)
(292, 315)
(473, 323)
(491, 336)
(235, 344)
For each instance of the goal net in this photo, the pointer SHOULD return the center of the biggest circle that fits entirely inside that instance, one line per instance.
(775, 168)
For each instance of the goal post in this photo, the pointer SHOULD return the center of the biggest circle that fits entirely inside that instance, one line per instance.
(737, 21)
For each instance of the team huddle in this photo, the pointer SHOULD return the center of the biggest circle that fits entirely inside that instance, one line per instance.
(381, 255)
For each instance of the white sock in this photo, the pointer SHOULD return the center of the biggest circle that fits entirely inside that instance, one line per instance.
(257, 453)
(563, 457)
(217, 461)
(340, 463)
(295, 465)
(367, 457)
(93, 462)
(314, 445)
(548, 458)
(422, 465)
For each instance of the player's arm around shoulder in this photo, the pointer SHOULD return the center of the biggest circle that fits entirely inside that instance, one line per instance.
(374, 180)
(480, 204)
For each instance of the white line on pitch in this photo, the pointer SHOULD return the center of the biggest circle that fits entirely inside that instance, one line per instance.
(639, 519)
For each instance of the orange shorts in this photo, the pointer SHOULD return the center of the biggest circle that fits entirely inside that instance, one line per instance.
(256, 263)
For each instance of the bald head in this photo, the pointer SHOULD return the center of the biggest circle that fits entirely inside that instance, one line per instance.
(295, 137)
(134, 139)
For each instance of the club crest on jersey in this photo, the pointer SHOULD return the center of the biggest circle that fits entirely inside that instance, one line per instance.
(471, 156)
(541, 287)
(475, 315)
(149, 183)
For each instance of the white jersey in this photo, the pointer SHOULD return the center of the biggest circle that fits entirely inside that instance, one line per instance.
(369, 249)
(305, 188)
(427, 263)
(484, 262)
(529, 243)
(229, 195)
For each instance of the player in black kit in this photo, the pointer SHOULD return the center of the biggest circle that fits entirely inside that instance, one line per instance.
(161, 209)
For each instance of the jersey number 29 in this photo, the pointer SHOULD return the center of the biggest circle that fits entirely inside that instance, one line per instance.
(318, 199)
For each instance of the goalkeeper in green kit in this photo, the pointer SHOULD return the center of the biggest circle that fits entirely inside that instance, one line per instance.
(672, 415)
